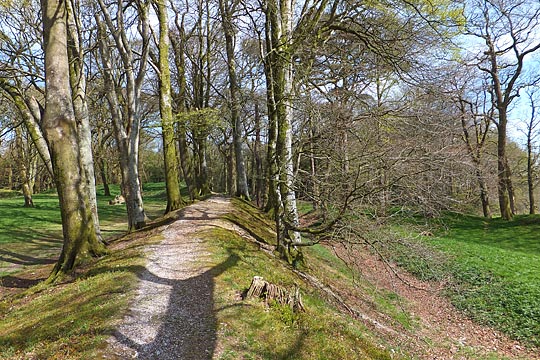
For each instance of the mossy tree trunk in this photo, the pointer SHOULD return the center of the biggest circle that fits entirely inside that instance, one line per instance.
(25, 168)
(178, 45)
(271, 195)
(104, 180)
(80, 106)
(172, 180)
(280, 16)
(258, 177)
(61, 131)
(504, 196)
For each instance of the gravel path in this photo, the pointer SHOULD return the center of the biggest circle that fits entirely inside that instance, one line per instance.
(172, 315)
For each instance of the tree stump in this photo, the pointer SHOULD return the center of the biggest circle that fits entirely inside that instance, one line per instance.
(262, 289)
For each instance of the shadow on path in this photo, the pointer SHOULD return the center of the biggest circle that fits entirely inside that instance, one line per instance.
(188, 327)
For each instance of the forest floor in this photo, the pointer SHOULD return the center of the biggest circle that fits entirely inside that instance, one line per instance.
(173, 312)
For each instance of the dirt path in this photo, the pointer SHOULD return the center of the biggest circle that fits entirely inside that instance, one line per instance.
(443, 332)
(172, 315)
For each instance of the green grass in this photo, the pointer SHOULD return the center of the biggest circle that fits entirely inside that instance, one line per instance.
(252, 330)
(32, 236)
(72, 320)
(493, 267)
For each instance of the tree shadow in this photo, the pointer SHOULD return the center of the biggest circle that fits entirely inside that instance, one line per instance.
(188, 328)
(12, 282)
(20, 259)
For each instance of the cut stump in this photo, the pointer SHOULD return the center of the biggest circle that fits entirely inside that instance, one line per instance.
(269, 292)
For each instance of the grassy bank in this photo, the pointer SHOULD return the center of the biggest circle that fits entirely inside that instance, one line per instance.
(493, 268)
(72, 320)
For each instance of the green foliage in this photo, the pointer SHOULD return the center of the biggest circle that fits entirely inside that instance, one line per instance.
(200, 122)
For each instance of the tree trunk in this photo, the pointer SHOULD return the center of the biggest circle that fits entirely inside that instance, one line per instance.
(231, 178)
(530, 170)
(259, 176)
(203, 187)
(103, 174)
(80, 106)
(271, 192)
(504, 198)
(484, 195)
(283, 93)
(314, 182)
(185, 161)
(510, 187)
(24, 172)
(60, 129)
(476, 154)
(227, 10)
(127, 124)
(174, 199)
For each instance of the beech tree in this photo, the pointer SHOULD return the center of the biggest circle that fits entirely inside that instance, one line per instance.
(228, 9)
(27, 166)
(172, 176)
(62, 134)
(126, 120)
(532, 155)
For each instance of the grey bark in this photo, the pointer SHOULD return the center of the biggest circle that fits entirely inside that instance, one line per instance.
(127, 131)
(227, 10)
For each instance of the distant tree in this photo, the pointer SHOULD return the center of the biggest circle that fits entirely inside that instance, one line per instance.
(476, 116)
(179, 40)
(27, 165)
(505, 32)
(532, 154)
(227, 10)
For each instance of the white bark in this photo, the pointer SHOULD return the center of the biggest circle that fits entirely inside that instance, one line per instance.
(290, 206)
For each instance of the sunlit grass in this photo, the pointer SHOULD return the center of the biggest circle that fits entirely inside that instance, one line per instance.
(493, 267)
(32, 236)
(71, 320)
(252, 330)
